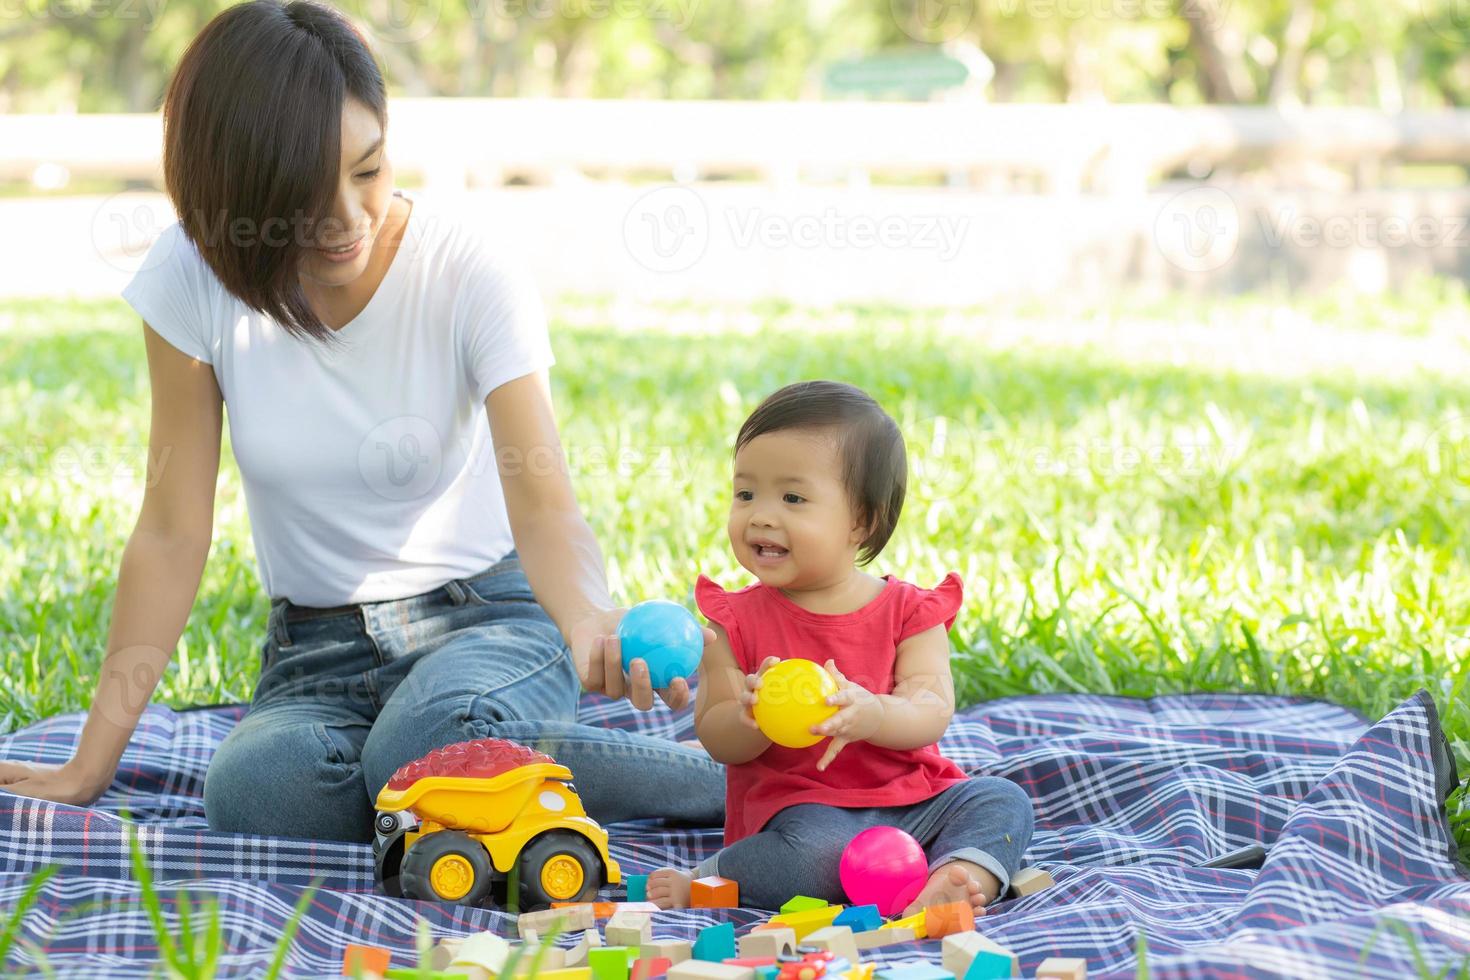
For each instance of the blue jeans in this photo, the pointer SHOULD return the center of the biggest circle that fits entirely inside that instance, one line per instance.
(987, 820)
(348, 695)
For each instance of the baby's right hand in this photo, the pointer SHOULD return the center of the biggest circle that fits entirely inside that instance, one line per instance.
(748, 697)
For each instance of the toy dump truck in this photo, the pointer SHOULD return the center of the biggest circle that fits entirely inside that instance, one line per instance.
(461, 823)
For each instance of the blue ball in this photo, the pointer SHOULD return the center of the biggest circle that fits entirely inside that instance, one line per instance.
(664, 634)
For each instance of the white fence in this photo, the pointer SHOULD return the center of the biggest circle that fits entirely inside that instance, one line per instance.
(623, 197)
(458, 143)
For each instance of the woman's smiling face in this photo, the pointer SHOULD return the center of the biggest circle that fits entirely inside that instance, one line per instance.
(791, 522)
(363, 198)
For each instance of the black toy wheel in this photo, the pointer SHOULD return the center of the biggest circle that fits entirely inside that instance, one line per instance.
(388, 864)
(447, 866)
(558, 866)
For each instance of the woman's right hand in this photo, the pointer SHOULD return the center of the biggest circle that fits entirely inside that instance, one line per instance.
(598, 657)
(749, 696)
(65, 783)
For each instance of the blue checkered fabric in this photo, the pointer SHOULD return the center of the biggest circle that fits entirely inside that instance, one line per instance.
(1132, 796)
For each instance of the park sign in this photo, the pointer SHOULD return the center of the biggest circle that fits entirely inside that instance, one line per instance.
(914, 75)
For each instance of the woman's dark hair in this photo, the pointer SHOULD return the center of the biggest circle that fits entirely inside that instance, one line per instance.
(874, 464)
(252, 143)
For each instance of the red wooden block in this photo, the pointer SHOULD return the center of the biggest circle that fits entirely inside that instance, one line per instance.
(714, 893)
(952, 917)
(646, 967)
(364, 959)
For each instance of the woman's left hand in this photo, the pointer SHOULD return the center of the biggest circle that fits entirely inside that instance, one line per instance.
(859, 717)
(598, 657)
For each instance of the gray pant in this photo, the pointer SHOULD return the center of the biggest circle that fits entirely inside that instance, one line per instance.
(987, 820)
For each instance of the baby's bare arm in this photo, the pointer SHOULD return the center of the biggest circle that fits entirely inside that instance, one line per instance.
(919, 709)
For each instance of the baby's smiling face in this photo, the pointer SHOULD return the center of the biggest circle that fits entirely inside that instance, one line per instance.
(791, 522)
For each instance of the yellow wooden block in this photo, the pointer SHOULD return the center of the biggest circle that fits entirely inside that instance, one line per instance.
(568, 973)
(809, 921)
(861, 971)
(914, 922)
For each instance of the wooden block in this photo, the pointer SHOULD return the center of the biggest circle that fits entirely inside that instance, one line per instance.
(714, 893)
(443, 954)
(552, 958)
(914, 922)
(566, 973)
(483, 949)
(577, 955)
(886, 936)
(1029, 881)
(971, 956)
(628, 929)
(859, 918)
(960, 950)
(1062, 968)
(458, 973)
(364, 959)
(600, 910)
(715, 943)
(914, 970)
(674, 950)
(861, 971)
(835, 939)
(646, 968)
(706, 970)
(802, 903)
(768, 942)
(753, 961)
(648, 908)
(951, 917)
(609, 963)
(555, 921)
(808, 921)
(637, 887)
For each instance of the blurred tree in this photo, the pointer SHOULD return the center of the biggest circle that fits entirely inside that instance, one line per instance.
(116, 55)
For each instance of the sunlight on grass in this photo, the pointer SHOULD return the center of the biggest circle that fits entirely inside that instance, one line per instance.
(1124, 524)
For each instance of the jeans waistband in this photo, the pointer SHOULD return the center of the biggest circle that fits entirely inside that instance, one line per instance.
(293, 613)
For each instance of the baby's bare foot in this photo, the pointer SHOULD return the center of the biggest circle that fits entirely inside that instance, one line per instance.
(669, 889)
(957, 881)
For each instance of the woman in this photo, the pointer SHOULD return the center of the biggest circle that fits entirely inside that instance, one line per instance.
(431, 578)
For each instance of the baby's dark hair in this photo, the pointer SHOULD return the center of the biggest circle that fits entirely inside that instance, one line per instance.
(874, 463)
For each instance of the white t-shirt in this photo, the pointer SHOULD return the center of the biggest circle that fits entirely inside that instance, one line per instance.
(369, 472)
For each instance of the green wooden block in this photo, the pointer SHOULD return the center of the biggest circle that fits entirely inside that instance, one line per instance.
(610, 962)
(802, 903)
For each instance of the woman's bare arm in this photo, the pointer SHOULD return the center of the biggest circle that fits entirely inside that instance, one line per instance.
(561, 557)
(158, 577)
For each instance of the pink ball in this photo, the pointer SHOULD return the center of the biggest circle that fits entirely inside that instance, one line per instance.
(883, 866)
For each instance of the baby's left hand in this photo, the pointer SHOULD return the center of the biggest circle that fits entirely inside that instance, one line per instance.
(859, 717)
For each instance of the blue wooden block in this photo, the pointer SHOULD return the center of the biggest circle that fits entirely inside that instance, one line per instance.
(638, 888)
(859, 918)
(990, 966)
(917, 970)
(766, 972)
(716, 943)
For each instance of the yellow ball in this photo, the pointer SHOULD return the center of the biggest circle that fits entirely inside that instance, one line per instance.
(792, 698)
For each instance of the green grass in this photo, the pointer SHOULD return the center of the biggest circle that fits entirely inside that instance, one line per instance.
(1136, 506)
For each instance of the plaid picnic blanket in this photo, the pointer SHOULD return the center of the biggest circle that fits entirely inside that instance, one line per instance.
(1132, 796)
